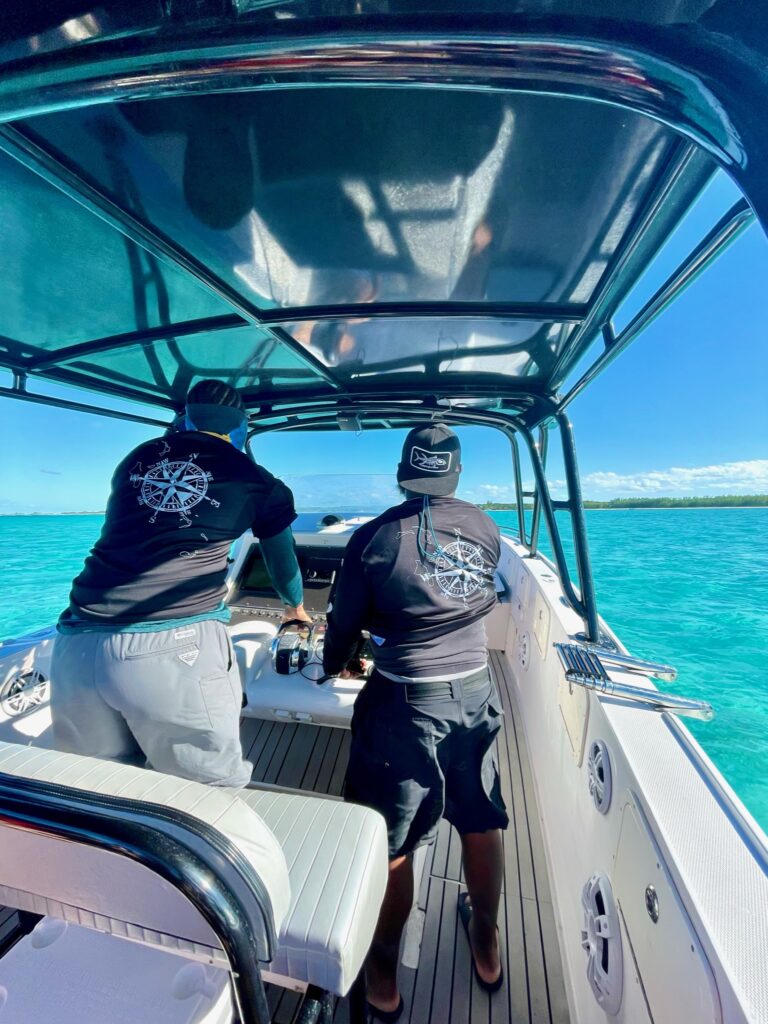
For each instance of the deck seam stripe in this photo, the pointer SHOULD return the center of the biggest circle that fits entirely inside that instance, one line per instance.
(310, 755)
(520, 755)
(501, 677)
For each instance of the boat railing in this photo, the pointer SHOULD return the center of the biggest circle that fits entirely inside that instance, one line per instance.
(585, 666)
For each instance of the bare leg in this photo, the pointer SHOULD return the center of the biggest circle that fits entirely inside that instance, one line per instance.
(381, 964)
(484, 870)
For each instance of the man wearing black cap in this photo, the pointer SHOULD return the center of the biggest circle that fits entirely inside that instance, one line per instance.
(419, 578)
(143, 668)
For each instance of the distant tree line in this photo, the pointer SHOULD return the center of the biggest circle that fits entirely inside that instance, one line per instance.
(499, 506)
(720, 501)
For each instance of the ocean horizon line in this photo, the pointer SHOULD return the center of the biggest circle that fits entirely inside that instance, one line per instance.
(604, 508)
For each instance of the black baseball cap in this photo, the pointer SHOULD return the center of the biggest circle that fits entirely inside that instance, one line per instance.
(431, 461)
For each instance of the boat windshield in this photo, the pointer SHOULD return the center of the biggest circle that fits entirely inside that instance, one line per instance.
(343, 493)
(354, 473)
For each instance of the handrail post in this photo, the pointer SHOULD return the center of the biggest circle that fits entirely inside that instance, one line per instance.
(187, 854)
(519, 489)
(581, 545)
(536, 515)
(554, 534)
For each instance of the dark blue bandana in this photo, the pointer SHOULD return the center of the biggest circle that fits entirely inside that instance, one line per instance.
(218, 419)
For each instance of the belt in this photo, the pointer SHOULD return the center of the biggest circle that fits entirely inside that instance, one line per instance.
(452, 689)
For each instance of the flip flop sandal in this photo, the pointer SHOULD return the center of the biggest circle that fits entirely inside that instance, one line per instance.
(465, 913)
(386, 1016)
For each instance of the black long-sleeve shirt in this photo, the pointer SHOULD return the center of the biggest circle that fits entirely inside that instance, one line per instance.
(422, 602)
(176, 504)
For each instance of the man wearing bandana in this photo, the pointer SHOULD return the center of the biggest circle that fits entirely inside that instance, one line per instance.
(143, 668)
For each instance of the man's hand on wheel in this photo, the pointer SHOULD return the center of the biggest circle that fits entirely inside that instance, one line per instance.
(290, 614)
(357, 668)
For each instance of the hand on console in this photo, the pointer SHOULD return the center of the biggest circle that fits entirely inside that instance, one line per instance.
(296, 614)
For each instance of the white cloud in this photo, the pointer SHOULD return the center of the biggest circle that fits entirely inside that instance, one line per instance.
(493, 491)
(347, 492)
(748, 477)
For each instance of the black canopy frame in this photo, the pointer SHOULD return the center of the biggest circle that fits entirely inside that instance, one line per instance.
(393, 414)
(570, 58)
(706, 81)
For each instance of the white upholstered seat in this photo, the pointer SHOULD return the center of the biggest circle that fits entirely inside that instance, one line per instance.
(337, 862)
(322, 862)
(104, 890)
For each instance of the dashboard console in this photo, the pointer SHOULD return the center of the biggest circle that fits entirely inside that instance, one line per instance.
(319, 556)
(302, 696)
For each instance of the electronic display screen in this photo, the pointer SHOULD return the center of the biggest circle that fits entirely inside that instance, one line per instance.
(318, 567)
(255, 575)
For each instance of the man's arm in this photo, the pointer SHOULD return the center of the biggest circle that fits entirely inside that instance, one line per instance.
(348, 611)
(274, 514)
(282, 565)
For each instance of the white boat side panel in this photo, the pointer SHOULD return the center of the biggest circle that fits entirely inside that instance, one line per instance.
(522, 585)
(87, 886)
(725, 887)
(496, 626)
(574, 708)
(676, 974)
(720, 881)
(26, 660)
(88, 977)
(39, 642)
(541, 617)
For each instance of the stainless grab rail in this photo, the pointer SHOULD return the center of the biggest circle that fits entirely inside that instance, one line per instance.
(583, 666)
(627, 663)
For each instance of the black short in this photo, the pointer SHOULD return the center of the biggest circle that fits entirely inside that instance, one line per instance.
(418, 757)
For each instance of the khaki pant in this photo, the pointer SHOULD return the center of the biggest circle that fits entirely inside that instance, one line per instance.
(171, 697)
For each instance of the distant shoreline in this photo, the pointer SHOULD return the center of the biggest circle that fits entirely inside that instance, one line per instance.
(28, 515)
(653, 504)
(662, 508)
(645, 508)
(485, 508)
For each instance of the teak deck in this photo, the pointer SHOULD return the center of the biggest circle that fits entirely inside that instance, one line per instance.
(441, 989)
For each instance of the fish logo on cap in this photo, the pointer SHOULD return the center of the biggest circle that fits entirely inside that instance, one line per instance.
(431, 462)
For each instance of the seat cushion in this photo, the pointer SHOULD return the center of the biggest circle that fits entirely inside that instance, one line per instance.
(337, 862)
(220, 808)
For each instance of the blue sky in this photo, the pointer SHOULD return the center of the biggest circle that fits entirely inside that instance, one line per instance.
(683, 411)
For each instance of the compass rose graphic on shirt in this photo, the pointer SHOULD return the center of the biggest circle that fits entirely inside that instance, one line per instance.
(459, 569)
(173, 486)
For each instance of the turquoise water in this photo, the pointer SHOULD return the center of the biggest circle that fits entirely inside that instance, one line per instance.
(687, 586)
(690, 587)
